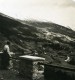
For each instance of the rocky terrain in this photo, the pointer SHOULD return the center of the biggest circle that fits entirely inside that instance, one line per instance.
(51, 40)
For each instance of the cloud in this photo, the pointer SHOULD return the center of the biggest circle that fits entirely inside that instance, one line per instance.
(63, 3)
(58, 11)
(68, 3)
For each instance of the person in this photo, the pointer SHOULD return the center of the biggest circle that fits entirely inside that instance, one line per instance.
(6, 56)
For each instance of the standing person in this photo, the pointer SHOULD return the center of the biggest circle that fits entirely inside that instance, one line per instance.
(6, 56)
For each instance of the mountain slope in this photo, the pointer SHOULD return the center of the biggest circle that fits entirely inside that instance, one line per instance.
(46, 37)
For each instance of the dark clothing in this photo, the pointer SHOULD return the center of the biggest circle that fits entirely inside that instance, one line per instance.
(5, 58)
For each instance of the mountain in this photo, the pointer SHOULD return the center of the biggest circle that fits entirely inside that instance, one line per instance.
(51, 40)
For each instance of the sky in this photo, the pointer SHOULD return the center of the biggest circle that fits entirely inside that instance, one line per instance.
(58, 11)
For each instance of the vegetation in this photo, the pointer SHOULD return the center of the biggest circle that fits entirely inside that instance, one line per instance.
(46, 37)
(52, 41)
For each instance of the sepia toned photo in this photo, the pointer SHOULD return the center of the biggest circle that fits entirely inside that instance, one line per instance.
(37, 39)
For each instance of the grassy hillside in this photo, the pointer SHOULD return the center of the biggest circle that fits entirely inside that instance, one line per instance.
(51, 40)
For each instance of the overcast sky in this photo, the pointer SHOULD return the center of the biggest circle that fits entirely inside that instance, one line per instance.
(58, 11)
